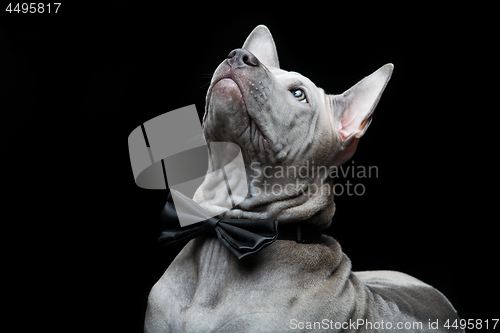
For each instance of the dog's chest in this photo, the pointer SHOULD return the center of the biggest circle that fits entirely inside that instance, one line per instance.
(231, 316)
(223, 298)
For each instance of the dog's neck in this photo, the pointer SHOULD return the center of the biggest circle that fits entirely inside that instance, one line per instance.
(288, 194)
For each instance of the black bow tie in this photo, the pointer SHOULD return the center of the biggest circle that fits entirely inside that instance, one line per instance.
(241, 237)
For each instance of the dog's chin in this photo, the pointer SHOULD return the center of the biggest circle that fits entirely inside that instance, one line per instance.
(228, 92)
(226, 115)
(229, 120)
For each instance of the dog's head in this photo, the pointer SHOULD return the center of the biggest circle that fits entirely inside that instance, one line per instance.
(277, 116)
(280, 118)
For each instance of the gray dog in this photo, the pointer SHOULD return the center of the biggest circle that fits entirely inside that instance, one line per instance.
(281, 119)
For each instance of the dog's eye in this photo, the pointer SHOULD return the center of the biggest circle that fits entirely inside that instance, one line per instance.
(300, 95)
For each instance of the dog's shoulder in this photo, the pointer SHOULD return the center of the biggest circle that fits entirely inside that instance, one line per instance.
(389, 278)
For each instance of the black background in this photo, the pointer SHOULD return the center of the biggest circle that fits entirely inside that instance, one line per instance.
(80, 236)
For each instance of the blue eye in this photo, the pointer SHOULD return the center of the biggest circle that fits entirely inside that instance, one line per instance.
(300, 95)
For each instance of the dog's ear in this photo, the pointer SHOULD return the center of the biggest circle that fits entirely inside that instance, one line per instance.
(261, 44)
(354, 108)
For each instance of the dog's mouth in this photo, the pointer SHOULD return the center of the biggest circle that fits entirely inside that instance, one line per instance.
(228, 89)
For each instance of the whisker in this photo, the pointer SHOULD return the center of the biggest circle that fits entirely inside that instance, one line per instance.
(204, 77)
(207, 75)
(196, 138)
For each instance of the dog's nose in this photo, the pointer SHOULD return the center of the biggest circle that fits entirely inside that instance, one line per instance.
(241, 58)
